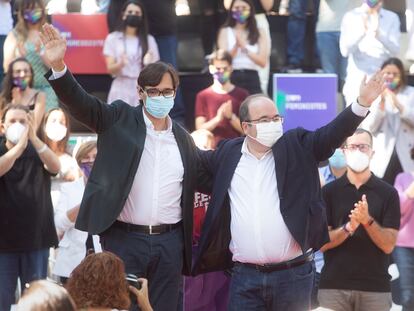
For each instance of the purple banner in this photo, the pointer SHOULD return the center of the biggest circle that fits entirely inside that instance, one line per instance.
(306, 100)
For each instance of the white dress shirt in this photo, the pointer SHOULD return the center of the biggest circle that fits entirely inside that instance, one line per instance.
(366, 49)
(258, 232)
(155, 195)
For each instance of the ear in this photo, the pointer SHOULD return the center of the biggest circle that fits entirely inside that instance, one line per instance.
(141, 93)
(2, 128)
(211, 69)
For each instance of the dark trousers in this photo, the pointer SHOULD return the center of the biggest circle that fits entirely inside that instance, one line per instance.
(2, 39)
(158, 258)
(290, 289)
(28, 266)
(404, 258)
(247, 79)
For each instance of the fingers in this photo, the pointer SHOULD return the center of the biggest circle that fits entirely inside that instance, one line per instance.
(133, 290)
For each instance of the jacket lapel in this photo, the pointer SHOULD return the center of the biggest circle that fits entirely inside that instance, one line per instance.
(280, 156)
(142, 131)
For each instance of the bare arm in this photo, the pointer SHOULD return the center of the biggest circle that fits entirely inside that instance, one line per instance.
(113, 66)
(39, 110)
(267, 4)
(261, 58)
(337, 237)
(9, 48)
(202, 123)
(7, 160)
(384, 238)
(222, 43)
(235, 123)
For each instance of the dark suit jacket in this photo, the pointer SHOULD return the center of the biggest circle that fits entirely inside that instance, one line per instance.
(121, 136)
(296, 155)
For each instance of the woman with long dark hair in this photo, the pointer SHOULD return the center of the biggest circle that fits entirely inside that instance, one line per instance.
(391, 123)
(17, 88)
(246, 43)
(127, 51)
(24, 41)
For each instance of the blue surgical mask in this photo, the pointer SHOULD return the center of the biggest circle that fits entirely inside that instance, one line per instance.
(159, 106)
(337, 160)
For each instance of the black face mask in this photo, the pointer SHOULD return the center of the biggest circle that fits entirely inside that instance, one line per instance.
(133, 20)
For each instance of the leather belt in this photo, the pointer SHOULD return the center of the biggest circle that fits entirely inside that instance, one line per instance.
(158, 229)
(271, 267)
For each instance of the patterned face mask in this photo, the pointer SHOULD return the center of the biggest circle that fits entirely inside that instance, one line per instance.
(33, 16)
(240, 16)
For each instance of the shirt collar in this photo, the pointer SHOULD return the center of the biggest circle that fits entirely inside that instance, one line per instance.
(150, 126)
(245, 150)
(344, 181)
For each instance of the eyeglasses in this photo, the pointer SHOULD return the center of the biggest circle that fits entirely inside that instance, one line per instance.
(154, 92)
(276, 118)
(360, 147)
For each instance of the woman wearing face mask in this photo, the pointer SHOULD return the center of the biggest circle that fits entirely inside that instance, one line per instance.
(74, 245)
(18, 89)
(246, 43)
(55, 132)
(24, 41)
(391, 122)
(403, 254)
(127, 51)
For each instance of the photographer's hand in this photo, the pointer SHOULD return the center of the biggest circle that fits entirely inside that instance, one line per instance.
(142, 295)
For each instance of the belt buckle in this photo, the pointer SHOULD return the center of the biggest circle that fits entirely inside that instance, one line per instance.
(150, 230)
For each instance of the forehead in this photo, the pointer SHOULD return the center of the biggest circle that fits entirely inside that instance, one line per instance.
(262, 107)
(165, 83)
(360, 138)
(240, 4)
(56, 114)
(15, 114)
(133, 7)
(220, 63)
(391, 68)
(21, 65)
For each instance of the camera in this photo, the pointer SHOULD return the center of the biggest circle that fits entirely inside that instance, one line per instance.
(133, 280)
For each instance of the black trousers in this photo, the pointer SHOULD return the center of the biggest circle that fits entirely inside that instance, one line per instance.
(247, 79)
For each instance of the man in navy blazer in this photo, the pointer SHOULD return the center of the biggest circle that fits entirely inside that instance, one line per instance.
(266, 213)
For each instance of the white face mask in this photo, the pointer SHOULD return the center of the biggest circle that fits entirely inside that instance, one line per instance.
(55, 131)
(268, 133)
(357, 160)
(14, 132)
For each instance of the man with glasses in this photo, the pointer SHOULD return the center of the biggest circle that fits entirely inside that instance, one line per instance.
(217, 107)
(139, 196)
(266, 213)
(363, 214)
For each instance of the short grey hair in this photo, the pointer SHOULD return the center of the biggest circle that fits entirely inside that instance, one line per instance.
(360, 130)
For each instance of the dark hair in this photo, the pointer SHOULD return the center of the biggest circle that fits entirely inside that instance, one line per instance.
(252, 29)
(7, 85)
(45, 296)
(412, 153)
(21, 26)
(141, 31)
(244, 107)
(9, 107)
(220, 55)
(360, 130)
(99, 281)
(152, 74)
(397, 63)
(61, 145)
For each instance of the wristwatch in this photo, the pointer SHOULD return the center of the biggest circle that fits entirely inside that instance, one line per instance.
(349, 232)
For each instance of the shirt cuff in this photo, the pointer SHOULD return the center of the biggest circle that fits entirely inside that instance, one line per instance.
(58, 74)
(359, 110)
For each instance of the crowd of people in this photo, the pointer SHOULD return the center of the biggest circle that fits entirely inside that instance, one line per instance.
(239, 206)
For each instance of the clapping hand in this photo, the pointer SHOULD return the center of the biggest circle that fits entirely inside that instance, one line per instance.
(55, 47)
(360, 213)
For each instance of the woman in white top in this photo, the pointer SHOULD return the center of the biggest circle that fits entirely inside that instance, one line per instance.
(127, 51)
(246, 43)
(391, 122)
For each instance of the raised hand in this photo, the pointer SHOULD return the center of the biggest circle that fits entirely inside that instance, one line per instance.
(55, 47)
(371, 89)
(360, 213)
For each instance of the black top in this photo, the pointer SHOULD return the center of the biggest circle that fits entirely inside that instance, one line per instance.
(162, 20)
(358, 264)
(26, 211)
(258, 7)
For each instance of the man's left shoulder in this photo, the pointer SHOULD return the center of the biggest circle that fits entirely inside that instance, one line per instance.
(383, 187)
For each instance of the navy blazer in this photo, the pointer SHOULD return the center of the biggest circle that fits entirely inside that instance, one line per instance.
(121, 137)
(297, 154)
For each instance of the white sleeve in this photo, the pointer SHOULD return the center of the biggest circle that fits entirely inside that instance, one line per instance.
(58, 74)
(359, 110)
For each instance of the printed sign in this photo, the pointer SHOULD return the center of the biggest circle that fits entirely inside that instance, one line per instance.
(85, 35)
(305, 100)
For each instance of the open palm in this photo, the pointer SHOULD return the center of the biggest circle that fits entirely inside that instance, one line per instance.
(371, 89)
(54, 44)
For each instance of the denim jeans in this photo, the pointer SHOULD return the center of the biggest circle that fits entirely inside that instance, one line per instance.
(404, 258)
(296, 30)
(290, 289)
(159, 258)
(330, 55)
(167, 47)
(28, 266)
